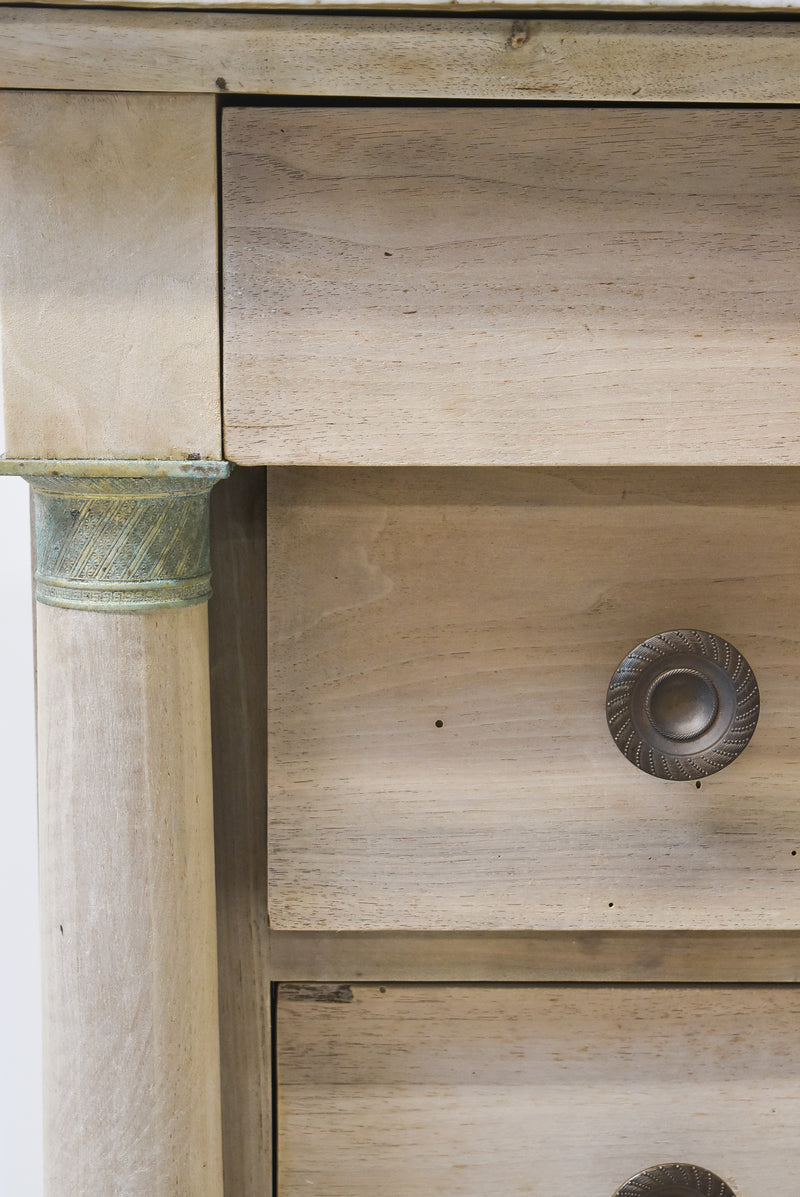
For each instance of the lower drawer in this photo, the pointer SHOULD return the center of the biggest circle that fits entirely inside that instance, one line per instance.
(503, 1090)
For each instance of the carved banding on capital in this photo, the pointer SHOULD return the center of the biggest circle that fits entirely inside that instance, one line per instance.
(121, 536)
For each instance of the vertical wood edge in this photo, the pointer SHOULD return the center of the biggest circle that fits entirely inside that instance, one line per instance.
(237, 625)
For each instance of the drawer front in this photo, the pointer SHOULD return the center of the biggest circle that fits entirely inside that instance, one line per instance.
(441, 643)
(528, 285)
(518, 1090)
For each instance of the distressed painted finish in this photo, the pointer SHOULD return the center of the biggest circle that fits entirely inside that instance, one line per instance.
(400, 57)
(511, 286)
(441, 642)
(470, 1090)
(110, 339)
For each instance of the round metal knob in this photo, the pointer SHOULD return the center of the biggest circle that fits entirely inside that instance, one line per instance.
(675, 1180)
(682, 705)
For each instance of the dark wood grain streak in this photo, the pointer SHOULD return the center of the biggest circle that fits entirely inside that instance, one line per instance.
(537, 956)
(237, 615)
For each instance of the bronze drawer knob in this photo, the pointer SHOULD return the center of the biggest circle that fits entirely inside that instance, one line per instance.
(675, 1180)
(682, 705)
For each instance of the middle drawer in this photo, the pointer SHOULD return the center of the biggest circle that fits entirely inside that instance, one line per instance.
(441, 642)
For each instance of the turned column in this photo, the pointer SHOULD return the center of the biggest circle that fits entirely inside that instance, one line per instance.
(131, 1040)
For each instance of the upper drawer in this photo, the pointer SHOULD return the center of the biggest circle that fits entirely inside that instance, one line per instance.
(519, 285)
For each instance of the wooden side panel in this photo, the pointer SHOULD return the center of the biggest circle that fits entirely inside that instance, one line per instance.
(237, 627)
(441, 643)
(475, 1090)
(403, 56)
(511, 286)
(110, 337)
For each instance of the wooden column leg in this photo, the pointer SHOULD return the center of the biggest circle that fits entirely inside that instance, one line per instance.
(131, 1031)
(131, 1043)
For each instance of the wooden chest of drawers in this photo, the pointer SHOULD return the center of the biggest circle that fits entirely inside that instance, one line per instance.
(507, 336)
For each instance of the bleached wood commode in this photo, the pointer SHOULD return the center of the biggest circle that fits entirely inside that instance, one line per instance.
(509, 308)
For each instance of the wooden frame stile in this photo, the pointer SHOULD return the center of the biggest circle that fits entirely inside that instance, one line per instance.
(238, 650)
(124, 186)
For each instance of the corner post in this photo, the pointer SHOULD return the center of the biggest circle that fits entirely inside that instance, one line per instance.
(110, 360)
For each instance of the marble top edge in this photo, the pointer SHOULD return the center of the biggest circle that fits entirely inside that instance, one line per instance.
(434, 7)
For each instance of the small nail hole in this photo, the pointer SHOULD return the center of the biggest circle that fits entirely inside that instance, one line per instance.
(610, 905)
(439, 723)
(698, 784)
(383, 989)
(794, 852)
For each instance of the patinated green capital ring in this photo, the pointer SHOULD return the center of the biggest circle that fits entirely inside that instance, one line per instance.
(121, 536)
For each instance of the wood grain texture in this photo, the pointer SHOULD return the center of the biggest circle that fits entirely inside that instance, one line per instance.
(554, 286)
(401, 56)
(498, 604)
(237, 626)
(108, 247)
(131, 1039)
(486, 1089)
(619, 956)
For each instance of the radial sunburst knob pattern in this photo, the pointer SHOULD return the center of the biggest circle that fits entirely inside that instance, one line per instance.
(675, 1180)
(682, 705)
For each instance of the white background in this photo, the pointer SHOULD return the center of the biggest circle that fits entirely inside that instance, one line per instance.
(20, 1017)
